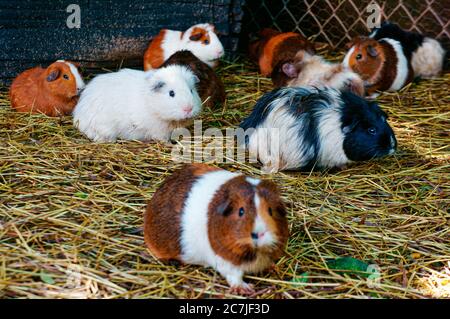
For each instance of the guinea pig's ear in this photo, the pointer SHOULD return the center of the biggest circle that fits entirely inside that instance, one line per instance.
(53, 74)
(224, 208)
(372, 51)
(196, 36)
(290, 69)
(349, 128)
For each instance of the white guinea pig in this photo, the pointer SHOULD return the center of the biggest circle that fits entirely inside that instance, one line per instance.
(200, 39)
(137, 105)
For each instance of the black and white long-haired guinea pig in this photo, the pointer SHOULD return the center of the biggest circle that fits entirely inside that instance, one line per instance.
(306, 128)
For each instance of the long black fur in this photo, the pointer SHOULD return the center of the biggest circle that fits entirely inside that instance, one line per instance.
(410, 41)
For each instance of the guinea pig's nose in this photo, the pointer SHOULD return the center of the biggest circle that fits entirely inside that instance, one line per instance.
(187, 109)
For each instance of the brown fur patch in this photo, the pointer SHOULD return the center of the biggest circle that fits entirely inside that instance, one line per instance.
(162, 217)
(31, 92)
(378, 72)
(154, 55)
(203, 34)
(281, 47)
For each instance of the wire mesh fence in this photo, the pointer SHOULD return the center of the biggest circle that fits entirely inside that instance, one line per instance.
(337, 21)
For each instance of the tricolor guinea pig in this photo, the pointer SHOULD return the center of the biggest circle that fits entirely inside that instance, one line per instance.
(137, 105)
(200, 39)
(305, 128)
(426, 54)
(52, 91)
(313, 70)
(381, 64)
(212, 217)
(210, 88)
(274, 47)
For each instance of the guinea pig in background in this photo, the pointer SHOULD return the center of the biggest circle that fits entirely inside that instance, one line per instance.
(312, 70)
(381, 64)
(210, 87)
(306, 128)
(200, 39)
(426, 54)
(212, 217)
(137, 105)
(274, 47)
(52, 91)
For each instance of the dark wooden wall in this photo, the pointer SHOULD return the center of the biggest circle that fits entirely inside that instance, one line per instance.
(113, 33)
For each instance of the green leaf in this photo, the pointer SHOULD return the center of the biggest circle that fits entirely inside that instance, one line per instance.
(47, 278)
(349, 265)
(303, 278)
(81, 195)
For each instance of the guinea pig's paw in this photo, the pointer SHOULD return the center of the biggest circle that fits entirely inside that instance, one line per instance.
(373, 96)
(242, 289)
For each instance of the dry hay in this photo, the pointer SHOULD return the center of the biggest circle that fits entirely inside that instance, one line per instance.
(71, 211)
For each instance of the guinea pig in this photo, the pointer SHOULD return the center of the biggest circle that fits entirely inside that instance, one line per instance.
(137, 105)
(306, 128)
(426, 54)
(212, 217)
(210, 88)
(200, 39)
(381, 64)
(274, 47)
(312, 70)
(52, 91)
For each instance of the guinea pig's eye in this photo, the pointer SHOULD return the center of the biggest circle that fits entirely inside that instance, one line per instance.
(241, 212)
(358, 56)
(270, 211)
(66, 77)
(372, 130)
(172, 93)
(206, 41)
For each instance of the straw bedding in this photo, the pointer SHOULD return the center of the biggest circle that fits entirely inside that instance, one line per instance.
(72, 211)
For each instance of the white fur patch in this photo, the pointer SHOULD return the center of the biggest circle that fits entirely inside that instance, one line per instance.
(78, 79)
(261, 228)
(253, 181)
(346, 61)
(402, 65)
(427, 61)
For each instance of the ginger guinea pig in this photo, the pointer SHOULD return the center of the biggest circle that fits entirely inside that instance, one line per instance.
(274, 47)
(52, 91)
(313, 70)
(200, 39)
(210, 88)
(212, 217)
(382, 64)
(427, 54)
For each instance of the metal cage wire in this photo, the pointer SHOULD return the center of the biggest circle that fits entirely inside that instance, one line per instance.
(336, 22)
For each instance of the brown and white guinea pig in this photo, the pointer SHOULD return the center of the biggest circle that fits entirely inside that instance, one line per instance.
(426, 54)
(210, 88)
(52, 91)
(212, 217)
(200, 39)
(313, 70)
(382, 64)
(274, 47)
